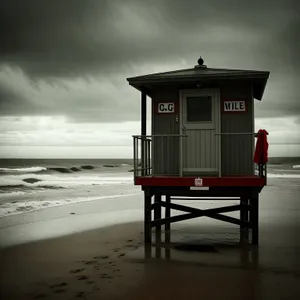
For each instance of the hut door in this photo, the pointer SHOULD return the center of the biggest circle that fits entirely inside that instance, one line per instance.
(200, 119)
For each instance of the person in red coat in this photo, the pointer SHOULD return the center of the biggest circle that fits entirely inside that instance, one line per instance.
(261, 150)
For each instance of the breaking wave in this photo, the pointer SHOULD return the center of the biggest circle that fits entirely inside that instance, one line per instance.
(63, 177)
(51, 170)
(53, 177)
(60, 181)
(23, 170)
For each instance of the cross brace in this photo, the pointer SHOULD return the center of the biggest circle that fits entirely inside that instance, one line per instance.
(214, 213)
(248, 208)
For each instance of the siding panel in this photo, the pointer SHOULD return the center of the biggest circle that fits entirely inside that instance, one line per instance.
(165, 151)
(237, 151)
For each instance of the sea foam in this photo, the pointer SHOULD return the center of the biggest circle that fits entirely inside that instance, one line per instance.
(65, 181)
(270, 175)
(19, 207)
(23, 170)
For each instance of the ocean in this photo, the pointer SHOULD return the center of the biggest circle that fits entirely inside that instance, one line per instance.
(29, 174)
(31, 184)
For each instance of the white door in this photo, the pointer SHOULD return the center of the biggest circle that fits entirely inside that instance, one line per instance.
(200, 120)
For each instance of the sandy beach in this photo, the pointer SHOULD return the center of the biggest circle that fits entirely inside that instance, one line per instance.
(85, 264)
(82, 255)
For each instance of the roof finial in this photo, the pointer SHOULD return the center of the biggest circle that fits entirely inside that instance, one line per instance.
(200, 61)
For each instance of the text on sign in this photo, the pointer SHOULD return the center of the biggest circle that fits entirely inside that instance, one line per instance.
(234, 106)
(166, 107)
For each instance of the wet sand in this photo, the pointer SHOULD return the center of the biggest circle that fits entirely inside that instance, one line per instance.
(109, 263)
(79, 265)
(204, 260)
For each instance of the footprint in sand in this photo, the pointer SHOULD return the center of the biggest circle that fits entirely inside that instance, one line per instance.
(82, 277)
(76, 271)
(91, 262)
(106, 276)
(80, 294)
(116, 270)
(58, 285)
(111, 264)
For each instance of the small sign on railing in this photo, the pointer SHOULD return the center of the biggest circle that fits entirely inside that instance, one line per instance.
(198, 181)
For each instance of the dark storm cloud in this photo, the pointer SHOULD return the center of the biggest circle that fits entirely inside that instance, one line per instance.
(81, 100)
(74, 38)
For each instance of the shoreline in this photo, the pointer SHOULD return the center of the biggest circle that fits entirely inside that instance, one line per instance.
(20, 203)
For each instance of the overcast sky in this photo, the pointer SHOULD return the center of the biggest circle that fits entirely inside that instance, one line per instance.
(64, 64)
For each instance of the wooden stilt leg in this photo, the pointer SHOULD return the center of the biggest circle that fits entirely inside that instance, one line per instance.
(254, 219)
(167, 225)
(168, 228)
(244, 216)
(157, 216)
(147, 219)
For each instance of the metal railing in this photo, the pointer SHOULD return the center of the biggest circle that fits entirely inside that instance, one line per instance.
(163, 155)
(158, 154)
(141, 155)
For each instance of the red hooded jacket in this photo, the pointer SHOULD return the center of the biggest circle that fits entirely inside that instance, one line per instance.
(261, 150)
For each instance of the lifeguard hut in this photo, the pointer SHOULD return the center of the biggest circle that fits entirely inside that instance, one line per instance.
(201, 145)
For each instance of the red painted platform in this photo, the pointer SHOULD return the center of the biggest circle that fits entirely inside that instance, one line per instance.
(205, 181)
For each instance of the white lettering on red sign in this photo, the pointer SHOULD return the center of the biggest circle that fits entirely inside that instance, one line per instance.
(234, 106)
(198, 182)
(166, 107)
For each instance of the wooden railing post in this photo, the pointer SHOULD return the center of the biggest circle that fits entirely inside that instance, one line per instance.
(134, 157)
(143, 128)
(143, 164)
(149, 157)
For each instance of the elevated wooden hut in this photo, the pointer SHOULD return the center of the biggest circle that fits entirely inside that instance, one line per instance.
(201, 144)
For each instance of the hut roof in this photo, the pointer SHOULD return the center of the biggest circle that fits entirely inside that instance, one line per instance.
(202, 73)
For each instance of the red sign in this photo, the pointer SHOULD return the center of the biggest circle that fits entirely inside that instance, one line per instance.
(198, 181)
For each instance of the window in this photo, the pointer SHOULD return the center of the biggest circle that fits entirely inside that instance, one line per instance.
(199, 109)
